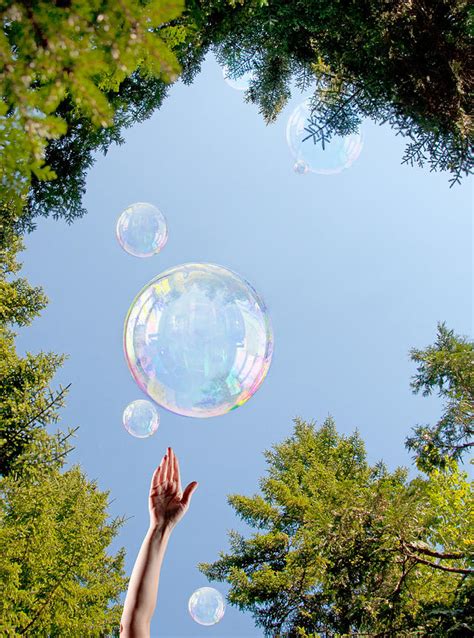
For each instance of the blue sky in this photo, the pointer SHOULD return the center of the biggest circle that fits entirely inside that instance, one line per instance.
(355, 269)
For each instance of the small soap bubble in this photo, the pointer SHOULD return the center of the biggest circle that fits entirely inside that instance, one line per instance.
(142, 230)
(141, 418)
(240, 83)
(338, 153)
(198, 340)
(206, 606)
(300, 167)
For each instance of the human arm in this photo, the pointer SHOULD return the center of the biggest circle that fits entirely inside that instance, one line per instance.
(167, 505)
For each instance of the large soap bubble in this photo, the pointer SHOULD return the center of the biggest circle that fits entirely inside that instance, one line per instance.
(198, 340)
(141, 418)
(142, 230)
(338, 153)
(240, 83)
(206, 606)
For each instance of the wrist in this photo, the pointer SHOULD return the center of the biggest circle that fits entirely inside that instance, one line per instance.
(160, 532)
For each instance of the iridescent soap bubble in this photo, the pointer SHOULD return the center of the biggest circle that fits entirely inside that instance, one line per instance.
(141, 418)
(240, 83)
(338, 153)
(142, 230)
(206, 606)
(300, 167)
(198, 340)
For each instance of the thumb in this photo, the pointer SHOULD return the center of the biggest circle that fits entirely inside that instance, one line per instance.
(188, 492)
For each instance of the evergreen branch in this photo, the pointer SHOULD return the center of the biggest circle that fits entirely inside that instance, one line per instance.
(320, 129)
(46, 602)
(60, 456)
(70, 433)
(51, 403)
(59, 583)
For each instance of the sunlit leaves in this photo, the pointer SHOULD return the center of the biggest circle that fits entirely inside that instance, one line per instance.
(79, 50)
(57, 577)
(343, 546)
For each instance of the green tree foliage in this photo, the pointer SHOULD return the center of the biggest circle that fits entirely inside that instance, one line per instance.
(72, 53)
(56, 577)
(405, 63)
(26, 400)
(448, 368)
(62, 197)
(343, 546)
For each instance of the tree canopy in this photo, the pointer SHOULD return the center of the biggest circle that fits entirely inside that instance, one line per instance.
(54, 531)
(56, 576)
(448, 368)
(76, 74)
(343, 546)
(74, 53)
(406, 63)
(27, 401)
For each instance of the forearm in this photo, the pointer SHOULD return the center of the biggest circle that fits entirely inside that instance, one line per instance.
(143, 587)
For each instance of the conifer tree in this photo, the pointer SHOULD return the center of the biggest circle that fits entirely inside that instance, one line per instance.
(343, 546)
(56, 577)
(27, 401)
(405, 63)
(76, 75)
(448, 368)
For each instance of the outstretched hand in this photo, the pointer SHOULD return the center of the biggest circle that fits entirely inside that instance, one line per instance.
(167, 503)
